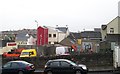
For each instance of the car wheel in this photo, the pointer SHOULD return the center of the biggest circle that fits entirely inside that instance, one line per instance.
(78, 72)
(49, 72)
(20, 72)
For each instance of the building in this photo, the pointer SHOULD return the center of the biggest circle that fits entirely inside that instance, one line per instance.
(56, 35)
(42, 35)
(111, 31)
(86, 41)
(90, 41)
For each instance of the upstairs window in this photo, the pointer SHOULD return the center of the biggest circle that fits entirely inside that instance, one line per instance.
(111, 30)
(50, 35)
(54, 35)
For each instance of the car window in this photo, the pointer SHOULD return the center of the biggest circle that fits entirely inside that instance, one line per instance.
(15, 65)
(54, 64)
(25, 53)
(7, 65)
(65, 64)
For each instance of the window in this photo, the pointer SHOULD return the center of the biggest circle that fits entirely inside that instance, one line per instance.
(14, 65)
(65, 64)
(54, 64)
(54, 35)
(111, 30)
(7, 65)
(50, 35)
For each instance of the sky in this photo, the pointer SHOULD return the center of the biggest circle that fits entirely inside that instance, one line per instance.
(77, 15)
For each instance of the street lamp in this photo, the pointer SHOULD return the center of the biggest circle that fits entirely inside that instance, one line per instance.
(37, 23)
(36, 33)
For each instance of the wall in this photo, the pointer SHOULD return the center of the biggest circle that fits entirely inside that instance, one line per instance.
(91, 60)
(113, 24)
(52, 39)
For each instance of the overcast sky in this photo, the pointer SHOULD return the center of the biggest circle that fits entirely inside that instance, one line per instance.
(77, 14)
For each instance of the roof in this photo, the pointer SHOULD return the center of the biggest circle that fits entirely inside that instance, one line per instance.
(75, 35)
(91, 34)
(21, 37)
(19, 61)
(59, 60)
(29, 31)
(118, 17)
(67, 42)
(63, 29)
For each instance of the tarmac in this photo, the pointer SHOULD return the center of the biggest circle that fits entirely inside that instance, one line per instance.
(101, 69)
(92, 69)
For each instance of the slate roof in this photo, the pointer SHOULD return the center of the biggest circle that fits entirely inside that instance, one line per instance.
(90, 34)
(75, 35)
(63, 29)
(29, 31)
(21, 37)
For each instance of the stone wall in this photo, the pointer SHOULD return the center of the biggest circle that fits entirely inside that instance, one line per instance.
(91, 60)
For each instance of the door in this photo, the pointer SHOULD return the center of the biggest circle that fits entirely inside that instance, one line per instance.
(55, 67)
(66, 67)
(15, 67)
(6, 68)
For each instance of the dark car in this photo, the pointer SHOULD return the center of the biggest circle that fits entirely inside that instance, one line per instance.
(18, 67)
(59, 66)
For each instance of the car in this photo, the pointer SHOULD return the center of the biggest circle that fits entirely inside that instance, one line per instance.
(18, 67)
(59, 66)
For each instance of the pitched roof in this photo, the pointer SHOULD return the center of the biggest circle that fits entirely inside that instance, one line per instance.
(67, 42)
(63, 29)
(91, 34)
(75, 35)
(21, 37)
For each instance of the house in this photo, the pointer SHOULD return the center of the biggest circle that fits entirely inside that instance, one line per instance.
(111, 32)
(22, 38)
(90, 41)
(31, 40)
(56, 35)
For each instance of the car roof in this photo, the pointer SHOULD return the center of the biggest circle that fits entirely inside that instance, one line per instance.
(59, 60)
(19, 61)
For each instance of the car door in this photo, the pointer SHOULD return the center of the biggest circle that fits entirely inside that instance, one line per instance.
(14, 67)
(6, 68)
(55, 67)
(66, 67)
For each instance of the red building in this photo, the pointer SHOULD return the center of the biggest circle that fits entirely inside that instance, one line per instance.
(42, 35)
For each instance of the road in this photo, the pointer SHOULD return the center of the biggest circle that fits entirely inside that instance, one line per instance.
(101, 73)
(88, 73)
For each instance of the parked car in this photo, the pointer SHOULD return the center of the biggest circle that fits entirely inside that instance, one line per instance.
(18, 67)
(64, 66)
